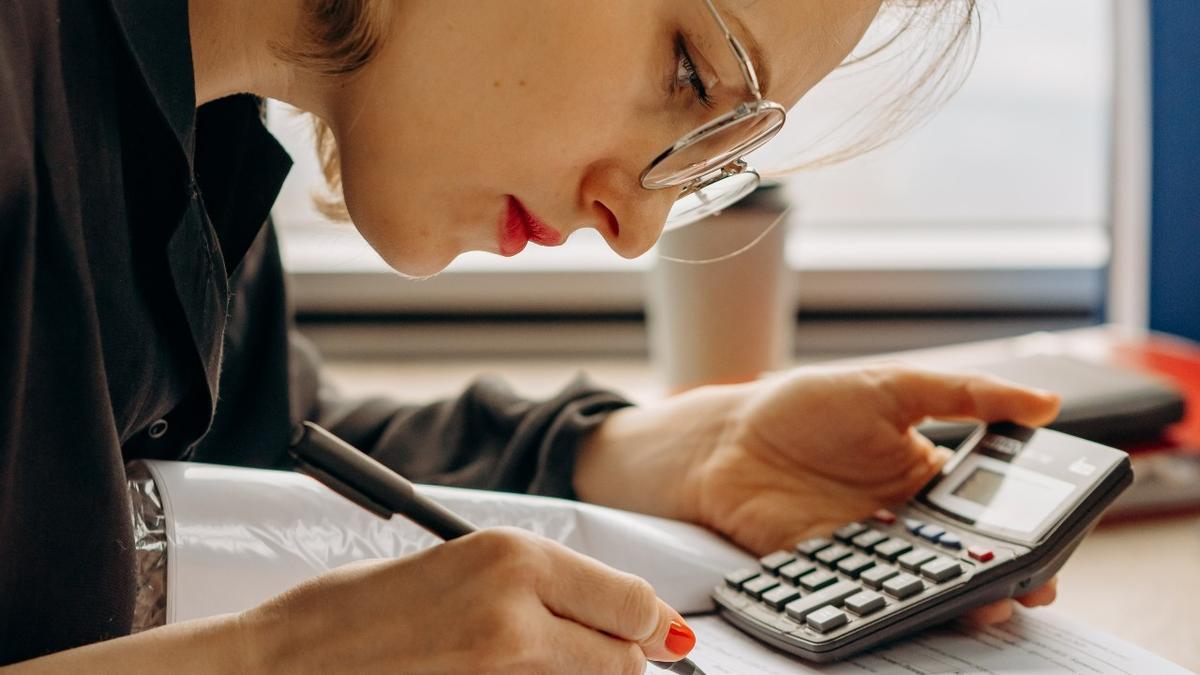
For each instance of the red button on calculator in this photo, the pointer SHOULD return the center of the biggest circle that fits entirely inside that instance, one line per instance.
(980, 553)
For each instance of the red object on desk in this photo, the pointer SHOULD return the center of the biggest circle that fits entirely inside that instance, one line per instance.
(1176, 360)
(1164, 479)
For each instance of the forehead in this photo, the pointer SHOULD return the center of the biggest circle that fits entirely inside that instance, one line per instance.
(799, 41)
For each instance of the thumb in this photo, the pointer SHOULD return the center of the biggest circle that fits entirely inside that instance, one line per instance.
(672, 639)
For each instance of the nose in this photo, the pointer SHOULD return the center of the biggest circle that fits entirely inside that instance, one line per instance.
(628, 216)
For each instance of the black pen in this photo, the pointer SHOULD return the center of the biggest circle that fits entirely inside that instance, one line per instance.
(364, 481)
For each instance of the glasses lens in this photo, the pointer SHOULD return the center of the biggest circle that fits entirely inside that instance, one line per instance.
(715, 147)
(711, 199)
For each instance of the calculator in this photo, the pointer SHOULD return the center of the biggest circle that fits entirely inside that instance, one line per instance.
(999, 520)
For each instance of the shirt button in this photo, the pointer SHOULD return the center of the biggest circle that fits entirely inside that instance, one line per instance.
(158, 428)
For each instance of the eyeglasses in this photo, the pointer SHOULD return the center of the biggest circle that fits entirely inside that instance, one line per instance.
(706, 164)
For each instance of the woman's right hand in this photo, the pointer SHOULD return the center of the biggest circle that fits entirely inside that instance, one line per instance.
(497, 601)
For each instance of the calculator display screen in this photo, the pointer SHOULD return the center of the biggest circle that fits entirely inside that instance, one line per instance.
(981, 486)
(1003, 495)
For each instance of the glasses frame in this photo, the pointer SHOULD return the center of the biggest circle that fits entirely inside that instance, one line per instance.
(759, 106)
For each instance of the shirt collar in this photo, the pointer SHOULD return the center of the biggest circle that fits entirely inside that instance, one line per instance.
(156, 33)
(242, 166)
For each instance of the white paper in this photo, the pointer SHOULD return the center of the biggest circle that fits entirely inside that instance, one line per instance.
(1034, 641)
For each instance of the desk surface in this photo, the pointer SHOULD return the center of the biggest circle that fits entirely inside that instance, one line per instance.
(1139, 580)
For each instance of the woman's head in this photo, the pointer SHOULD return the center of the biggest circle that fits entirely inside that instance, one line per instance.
(445, 112)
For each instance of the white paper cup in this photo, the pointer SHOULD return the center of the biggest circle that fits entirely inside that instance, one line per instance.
(728, 321)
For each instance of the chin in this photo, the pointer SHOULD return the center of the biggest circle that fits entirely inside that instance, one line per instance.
(419, 264)
(415, 259)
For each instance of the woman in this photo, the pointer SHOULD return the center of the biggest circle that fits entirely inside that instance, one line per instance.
(145, 317)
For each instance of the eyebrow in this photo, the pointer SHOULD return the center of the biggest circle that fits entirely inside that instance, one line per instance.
(753, 49)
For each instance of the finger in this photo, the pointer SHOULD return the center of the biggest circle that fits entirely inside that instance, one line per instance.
(579, 649)
(1042, 595)
(923, 393)
(997, 612)
(624, 606)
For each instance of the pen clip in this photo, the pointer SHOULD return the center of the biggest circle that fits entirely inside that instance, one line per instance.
(342, 489)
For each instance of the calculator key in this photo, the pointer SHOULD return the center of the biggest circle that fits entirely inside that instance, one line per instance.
(941, 569)
(913, 560)
(827, 618)
(980, 553)
(867, 540)
(809, 547)
(779, 596)
(834, 553)
(736, 578)
(817, 580)
(774, 561)
(903, 585)
(878, 574)
(884, 516)
(759, 585)
(913, 525)
(834, 595)
(950, 540)
(892, 549)
(865, 602)
(854, 565)
(931, 532)
(848, 532)
(792, 572)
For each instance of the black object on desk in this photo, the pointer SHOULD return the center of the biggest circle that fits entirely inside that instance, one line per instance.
(1101, 402)
(378, 489)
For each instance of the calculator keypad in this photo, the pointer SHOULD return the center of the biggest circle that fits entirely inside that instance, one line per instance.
(817, 580)
(792, 572)
(892, 549)
(774, 561)
(903, 585)
(828, 585)
(878, 574)
(913, 560)
(941, 569)
(759, 585)
(830, 556)
(865, 602)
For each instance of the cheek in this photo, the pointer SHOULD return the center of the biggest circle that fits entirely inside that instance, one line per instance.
(406, 210)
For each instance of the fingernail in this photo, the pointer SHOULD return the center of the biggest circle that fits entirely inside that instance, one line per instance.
(680, 638)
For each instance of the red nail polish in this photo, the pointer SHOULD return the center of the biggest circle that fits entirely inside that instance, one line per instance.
(680, 639)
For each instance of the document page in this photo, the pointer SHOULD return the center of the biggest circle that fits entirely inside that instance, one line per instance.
(1032, 642)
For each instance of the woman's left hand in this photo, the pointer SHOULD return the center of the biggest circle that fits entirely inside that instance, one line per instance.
(773, 462)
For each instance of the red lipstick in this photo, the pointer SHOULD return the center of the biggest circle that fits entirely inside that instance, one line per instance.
(520, 227)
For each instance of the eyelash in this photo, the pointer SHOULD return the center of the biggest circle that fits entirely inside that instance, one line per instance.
(684, 61)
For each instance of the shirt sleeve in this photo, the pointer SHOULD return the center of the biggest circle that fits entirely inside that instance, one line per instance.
(486, 437)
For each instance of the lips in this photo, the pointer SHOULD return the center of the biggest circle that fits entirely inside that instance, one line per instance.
(520, 227)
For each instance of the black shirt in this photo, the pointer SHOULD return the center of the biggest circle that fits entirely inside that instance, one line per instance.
(143, 314)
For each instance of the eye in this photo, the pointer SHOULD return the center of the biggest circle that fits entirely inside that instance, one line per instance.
(685, 72)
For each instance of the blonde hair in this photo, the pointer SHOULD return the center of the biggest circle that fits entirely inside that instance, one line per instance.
(339, 37)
